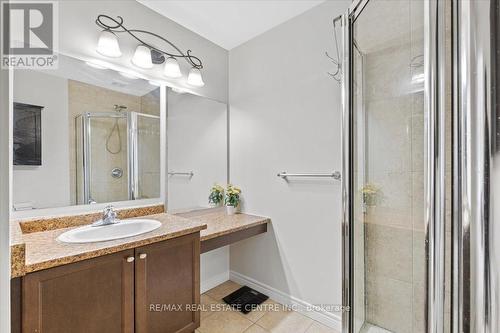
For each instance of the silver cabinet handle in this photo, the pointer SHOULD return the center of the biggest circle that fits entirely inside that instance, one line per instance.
(130, 259)
(143, 256)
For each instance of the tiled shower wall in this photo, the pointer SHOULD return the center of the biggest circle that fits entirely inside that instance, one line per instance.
(394, 228)
(83, 98)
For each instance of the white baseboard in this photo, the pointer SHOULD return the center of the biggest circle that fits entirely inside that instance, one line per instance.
(326, 318)
(213, 281)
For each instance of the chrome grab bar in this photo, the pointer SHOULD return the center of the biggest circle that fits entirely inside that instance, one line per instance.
(335, 175)
(190, 173)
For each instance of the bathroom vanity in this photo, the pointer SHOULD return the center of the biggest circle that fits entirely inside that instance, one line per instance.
(126, 141)
(117, 292)
(145, 283)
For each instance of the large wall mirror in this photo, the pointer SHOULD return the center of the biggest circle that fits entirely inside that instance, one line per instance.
(84, 134)
(197, 149)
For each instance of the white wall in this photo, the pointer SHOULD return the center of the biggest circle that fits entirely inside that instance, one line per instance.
(78, 35)
(214, 268)
(286, 115)
(46, 185)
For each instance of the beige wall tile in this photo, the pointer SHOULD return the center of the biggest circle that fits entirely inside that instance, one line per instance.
(88, 98)
(394, 209)
(390, 304)
(388, 133)
(388, 253)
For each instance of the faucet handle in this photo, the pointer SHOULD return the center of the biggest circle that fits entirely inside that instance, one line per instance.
(109, 216)
(108, 208)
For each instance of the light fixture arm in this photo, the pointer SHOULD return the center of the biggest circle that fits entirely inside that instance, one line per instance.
(118, 27)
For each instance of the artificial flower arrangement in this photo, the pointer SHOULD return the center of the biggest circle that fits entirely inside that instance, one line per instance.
(216, 195)
(232, 199)
(372, 195)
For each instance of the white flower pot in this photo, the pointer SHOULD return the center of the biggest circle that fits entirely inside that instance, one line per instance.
(231, 210)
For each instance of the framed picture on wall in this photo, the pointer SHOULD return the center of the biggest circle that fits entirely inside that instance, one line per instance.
(27, 134)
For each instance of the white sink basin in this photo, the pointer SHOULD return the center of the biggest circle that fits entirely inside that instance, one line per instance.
(122, 229)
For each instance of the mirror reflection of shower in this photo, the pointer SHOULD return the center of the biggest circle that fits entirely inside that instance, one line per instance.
(116, 128)
(117, 155)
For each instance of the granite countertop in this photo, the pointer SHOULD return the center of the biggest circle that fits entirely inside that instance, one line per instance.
(34, 245)
(42, 250)
(220, 224)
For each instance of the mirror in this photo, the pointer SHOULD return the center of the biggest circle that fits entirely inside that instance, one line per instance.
(84, 134)
(197, 149)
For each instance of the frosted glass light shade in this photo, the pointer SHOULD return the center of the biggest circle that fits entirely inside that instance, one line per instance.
(142, 57)
(195, 78)
(172, 68)
(107, 45)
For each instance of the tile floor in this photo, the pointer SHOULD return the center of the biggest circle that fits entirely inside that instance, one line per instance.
(264, 321)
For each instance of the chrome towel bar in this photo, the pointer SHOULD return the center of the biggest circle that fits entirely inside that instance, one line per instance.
(190, 173)
(335, 175)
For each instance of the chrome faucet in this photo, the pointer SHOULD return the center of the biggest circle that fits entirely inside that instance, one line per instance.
(108, 217)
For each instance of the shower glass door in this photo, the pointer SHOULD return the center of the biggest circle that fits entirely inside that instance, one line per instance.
(148, 156)
(117, 156)
(388, 127)
(101, 157)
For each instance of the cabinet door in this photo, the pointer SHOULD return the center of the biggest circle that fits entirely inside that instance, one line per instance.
(94, 295)
(167, 279)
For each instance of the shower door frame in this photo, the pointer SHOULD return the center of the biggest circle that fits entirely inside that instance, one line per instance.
(476, 246)
(86, 149)
(435, 152)
(132, 150)
(133, 157)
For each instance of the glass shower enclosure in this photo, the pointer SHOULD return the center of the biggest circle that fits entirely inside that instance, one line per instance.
(396, 154)
(117, 156)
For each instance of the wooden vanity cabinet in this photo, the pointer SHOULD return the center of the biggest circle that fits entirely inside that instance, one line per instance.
(95, 295)
(167, 286)
(115, 292)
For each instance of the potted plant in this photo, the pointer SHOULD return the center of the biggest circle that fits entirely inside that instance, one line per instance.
(216, 195)
(232, 199)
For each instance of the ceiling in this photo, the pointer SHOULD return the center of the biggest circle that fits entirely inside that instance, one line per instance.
(229, 23)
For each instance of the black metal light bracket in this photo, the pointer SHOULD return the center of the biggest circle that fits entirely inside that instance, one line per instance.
(158, 55)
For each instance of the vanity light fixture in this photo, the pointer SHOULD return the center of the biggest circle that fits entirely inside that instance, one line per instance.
(194, 78)
(142, 57)
(146, 55)
(108, 44)
(172, 68)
